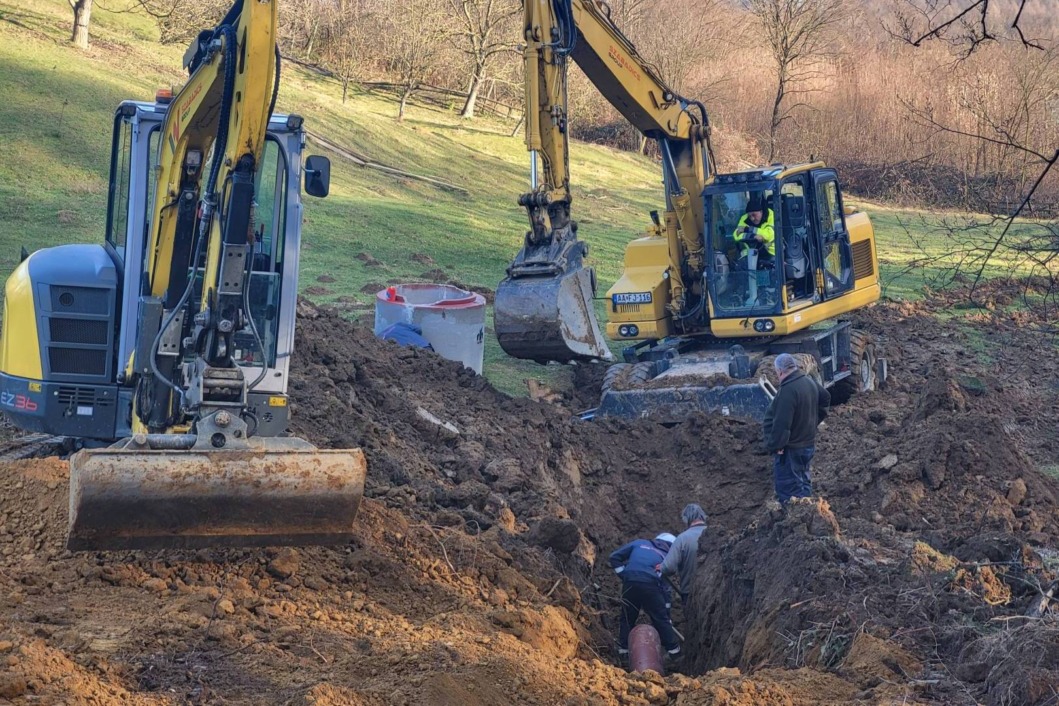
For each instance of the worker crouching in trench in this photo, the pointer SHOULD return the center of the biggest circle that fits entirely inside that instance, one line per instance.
(639, 563)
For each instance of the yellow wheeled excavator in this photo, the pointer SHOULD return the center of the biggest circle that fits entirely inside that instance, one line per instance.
(703, 302)
(173, 337)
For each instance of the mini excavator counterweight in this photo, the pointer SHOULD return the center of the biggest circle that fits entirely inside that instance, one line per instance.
(173, 337)
(699, 312)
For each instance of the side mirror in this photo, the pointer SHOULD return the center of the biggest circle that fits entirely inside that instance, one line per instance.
(317, 176)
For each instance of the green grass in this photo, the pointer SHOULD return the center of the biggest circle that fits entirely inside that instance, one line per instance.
(55, 121)
(915, 248)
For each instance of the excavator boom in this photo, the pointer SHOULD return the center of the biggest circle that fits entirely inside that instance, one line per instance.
(544, 307)
(219, 483)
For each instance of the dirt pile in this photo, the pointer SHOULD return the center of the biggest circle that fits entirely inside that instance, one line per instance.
(470, 579)
(938, 529)
(439, 437)
(478, 572)
(408, 613)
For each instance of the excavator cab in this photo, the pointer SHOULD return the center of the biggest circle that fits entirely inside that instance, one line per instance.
(805, 265)
(781, 293)
(75, 315)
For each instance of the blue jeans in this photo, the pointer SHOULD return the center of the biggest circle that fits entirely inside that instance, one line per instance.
(790, 473)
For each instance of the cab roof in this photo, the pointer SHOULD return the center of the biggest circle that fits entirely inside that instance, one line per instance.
(280, 122)
(769, 173)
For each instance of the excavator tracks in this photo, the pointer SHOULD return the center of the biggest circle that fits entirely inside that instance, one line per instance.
(32, 446)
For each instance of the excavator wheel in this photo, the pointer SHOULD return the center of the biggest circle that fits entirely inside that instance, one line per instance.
(766, 368)
(627, 376)
(614, 373)
(862, 367)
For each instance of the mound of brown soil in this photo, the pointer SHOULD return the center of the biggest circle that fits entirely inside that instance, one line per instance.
(478, 573)
(351, 390)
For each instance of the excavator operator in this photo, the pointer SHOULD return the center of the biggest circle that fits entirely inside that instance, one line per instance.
(756, 230)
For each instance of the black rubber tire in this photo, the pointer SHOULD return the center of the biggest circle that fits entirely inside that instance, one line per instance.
(615, 372)
(626, 376)
(862, 367)
(641, 373)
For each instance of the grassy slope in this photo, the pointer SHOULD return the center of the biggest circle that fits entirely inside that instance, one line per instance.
(55, 121)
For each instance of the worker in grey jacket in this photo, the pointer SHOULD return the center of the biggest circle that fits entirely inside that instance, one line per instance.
(682, 556)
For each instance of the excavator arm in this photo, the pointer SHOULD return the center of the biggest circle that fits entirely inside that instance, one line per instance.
(543, 307)
(213, 136)
(196, 473)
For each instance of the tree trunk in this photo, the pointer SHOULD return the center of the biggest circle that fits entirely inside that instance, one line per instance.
(82, 17)
(345, 88)
(775, 123)
(518, 125)
(404, 100)
(472, 93)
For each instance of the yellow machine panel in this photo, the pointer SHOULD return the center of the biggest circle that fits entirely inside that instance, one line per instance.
(639, 297)
(20, 326)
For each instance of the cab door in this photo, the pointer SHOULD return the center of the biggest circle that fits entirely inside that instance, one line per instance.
(835, 257)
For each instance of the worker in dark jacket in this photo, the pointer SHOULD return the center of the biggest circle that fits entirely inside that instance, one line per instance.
(639, 563)
(790, 428)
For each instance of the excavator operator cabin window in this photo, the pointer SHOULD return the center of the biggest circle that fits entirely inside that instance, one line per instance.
(797, 246)
(120, 178)
(270, 213)
(266, 279)
(743, 278)
(837, 257)
(830, 208)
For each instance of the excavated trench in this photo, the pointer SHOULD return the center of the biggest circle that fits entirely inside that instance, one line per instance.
(935, 464)
(478, 574)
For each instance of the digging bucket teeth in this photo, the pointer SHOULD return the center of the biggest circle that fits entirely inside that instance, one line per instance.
(675, 404)
(549, 318)
(280, 491)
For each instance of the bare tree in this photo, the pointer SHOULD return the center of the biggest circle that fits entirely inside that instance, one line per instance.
(82, 17)
(346, 41)
(415, 34)
(1003, 241)
(181, 20)
(966, 24)
(679, 37)
(343, 57)
(798, 34)
(484, 31)
(303, 23)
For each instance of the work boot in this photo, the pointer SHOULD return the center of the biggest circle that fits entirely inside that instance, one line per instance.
(674, 654)
(623, 657)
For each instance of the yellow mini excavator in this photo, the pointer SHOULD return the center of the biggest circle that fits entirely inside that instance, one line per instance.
(703, 303)
(173, 337)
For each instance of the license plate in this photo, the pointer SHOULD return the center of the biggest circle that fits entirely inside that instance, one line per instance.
(633, 298)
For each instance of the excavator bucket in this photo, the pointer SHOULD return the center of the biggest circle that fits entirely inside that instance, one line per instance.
(279, 491)
(549, 317)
